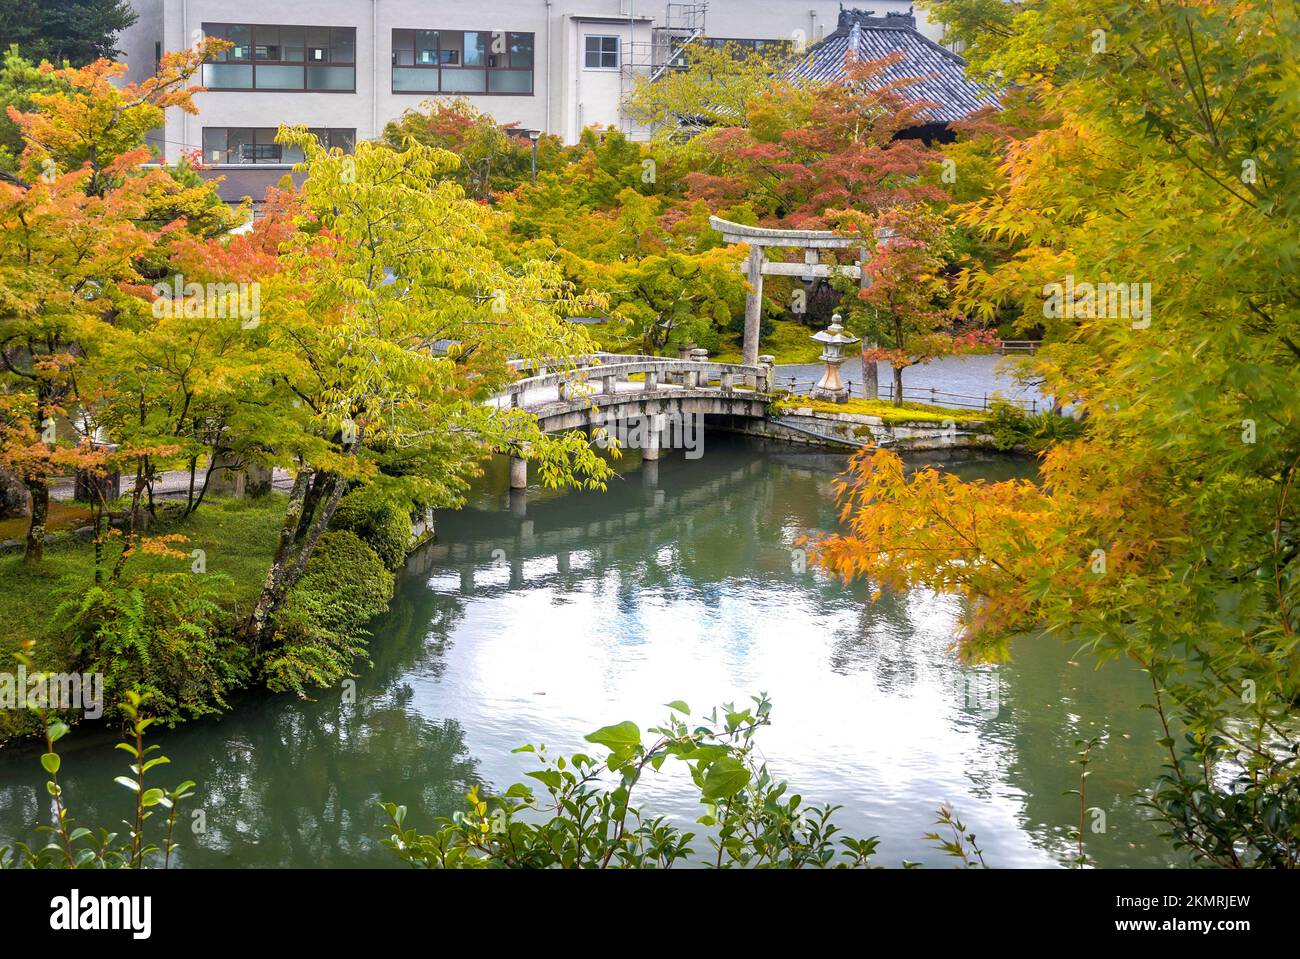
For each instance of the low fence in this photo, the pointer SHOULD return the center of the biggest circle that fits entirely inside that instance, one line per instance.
(931, 395)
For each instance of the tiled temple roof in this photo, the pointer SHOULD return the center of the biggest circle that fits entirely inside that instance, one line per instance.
(940, 73)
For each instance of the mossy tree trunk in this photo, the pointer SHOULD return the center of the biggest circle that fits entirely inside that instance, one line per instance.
(40, 494)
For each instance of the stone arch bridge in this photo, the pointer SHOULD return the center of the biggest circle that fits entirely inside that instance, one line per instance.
(604, 389)
(601, 388)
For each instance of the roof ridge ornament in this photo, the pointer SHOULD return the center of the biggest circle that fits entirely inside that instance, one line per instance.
(891, 19)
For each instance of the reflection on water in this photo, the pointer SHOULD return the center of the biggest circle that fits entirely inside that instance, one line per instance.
(540, 619)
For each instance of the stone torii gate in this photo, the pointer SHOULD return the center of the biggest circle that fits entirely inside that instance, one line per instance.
(811, 242)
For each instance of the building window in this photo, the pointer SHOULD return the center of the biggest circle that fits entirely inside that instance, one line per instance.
(463, 61)
(280, 58)
(602, 53)
(257, 144)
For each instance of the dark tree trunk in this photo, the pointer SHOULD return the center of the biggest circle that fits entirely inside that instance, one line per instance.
(189, 494)
(138, 522)
(40, 493)
(291, 557)
(274, 587)
(203, 490)
(309, 505)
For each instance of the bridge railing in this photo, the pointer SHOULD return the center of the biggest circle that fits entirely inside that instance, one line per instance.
(547, 363)
(658, 372)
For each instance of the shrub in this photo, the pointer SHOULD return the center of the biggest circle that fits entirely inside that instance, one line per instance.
(693, 329)
(587, 820)
(584, 821)
(161, 636)
(66, 846)
(320, 630)
(383, 525)
(1012, 426)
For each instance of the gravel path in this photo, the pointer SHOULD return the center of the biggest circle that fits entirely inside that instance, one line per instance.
(173, 484)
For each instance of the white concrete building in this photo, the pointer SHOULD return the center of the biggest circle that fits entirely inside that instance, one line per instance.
(347, 67)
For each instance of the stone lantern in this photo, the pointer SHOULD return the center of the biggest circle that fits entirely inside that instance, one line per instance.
(833, 339)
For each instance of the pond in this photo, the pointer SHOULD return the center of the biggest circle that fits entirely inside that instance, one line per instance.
(538, 620)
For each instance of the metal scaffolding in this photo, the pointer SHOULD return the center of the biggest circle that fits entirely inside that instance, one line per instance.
(682, 25)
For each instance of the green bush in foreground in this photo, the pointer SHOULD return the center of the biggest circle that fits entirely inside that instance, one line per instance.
(587, 819)
(583, 826)
(78, 847)
(320, 630)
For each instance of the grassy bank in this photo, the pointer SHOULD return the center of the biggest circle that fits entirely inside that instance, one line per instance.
(789, 342)
(889, 413)
(171, 626)
(237, 537)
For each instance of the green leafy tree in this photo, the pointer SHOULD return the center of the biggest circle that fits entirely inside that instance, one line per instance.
(494, 157)
(988, 31)
(74, 240)
(76, 31)
(1169, 533)
(708, 86)
(19, 80)
(396, 321)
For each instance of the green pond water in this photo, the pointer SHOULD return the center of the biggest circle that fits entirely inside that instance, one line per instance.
(538, 621)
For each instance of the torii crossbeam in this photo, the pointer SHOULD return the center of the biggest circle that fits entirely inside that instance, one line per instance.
(811, 241)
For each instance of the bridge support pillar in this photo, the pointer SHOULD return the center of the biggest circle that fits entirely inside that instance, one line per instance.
(651, 436)
(519, 471)
(650, 447)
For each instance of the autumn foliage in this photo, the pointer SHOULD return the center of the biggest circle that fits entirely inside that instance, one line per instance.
(1169, 535)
